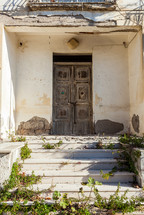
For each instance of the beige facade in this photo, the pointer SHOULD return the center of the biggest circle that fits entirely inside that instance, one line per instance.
(114, 39)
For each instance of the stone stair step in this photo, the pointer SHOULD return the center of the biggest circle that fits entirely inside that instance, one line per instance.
(75, 154)
(66, 146)
(70, 139)
(70, 177)
(69, 164)
(105, 190)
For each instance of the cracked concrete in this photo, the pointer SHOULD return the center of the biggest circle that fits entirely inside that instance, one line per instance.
(52, 21)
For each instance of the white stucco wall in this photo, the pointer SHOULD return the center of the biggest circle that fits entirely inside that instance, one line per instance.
(110, 84)
(136, 82)
(34, 79)
(1, 32)
(8, 82)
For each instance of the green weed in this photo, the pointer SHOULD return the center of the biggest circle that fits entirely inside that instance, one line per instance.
(51, 146)
(25, 152)
(13, 138)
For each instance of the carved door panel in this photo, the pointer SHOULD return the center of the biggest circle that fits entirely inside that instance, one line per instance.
(72, 109)
(83, 105)
(62, 123)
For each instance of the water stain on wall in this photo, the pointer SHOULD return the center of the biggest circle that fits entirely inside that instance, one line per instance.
(23, 102)
(97, 99)
(44, 100)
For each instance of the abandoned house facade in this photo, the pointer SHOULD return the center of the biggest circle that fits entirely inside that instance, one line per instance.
(71, 67)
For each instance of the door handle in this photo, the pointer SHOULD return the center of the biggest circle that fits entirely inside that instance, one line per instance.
(73, 103)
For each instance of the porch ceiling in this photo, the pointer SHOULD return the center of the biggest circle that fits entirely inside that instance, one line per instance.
(78, 30)
(125, 33)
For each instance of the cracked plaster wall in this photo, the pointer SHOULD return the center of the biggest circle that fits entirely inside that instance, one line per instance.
(110, 84)
(18, 10)
(136, 82)
(36, 52)
(35, 76)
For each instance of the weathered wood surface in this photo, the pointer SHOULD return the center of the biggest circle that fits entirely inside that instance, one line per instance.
(72, 99)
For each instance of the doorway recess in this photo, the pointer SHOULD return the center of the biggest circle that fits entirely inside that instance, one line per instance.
(72, 94)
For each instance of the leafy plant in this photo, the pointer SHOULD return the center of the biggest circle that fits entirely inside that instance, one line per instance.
(56, 195)
(110, 146)
(13, 138)
(13, 180)
(25, 152)
(19, 180)
(48, 146)
(38, 207)
(128, 151)
(51, 146)
(116, 202)
(107, 175)
(28, 180)
(100, 145)
(66, 206)
(133, 141)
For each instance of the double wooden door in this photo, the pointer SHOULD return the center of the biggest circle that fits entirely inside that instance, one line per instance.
(72, 106)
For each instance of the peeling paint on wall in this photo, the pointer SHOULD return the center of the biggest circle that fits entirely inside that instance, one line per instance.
(108, 127)
(135, 123)
(45, 100)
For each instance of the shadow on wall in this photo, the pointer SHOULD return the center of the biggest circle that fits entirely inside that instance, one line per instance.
(13, 4)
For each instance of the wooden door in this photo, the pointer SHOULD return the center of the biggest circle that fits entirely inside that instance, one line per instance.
(72, 106)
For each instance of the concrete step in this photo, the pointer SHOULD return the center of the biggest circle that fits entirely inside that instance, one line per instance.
(77, 154)
(71, 177)
(67, 146)
(105, 190)
(74, 139)
(69, 164)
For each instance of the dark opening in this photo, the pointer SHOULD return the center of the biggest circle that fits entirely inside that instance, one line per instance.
(72, 58)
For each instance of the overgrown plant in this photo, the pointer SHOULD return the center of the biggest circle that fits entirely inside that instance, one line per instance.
(108, 174)
(131, 155)
(51, 146)
(66, 206)
(17, 180)
(25, 152)
(13, 138)
(100, 145)
(38, 207)
(133, 141)
(116, 202)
